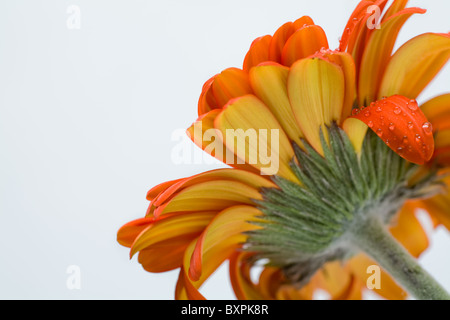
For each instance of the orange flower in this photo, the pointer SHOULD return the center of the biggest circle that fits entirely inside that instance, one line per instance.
(291, 82)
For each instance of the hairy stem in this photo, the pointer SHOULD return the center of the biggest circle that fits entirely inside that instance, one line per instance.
(372, 237)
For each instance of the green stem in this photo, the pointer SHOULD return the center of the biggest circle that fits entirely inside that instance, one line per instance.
(373, 238)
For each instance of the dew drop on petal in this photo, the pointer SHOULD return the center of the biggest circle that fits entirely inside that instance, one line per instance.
(367, 113)
(370, 124)
(405, 139)
(397, 110)
(418, 137)
(410, 125)
(400, 150)
(355, 111)
(427, 128)
(379, 132)
(413, 107)
(378, 109)
(391, 126)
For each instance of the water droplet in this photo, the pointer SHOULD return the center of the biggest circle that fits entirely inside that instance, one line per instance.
(367, 113)
(413, 106)
(370, 124)
(347, 30)
(400, 150)
(427, 128)
(418, 137)
(405, 139)
(378, 109)
(355, 111)
(410, 125)
(397, 110)
(387, 142)
(391, 126)
(379, 132)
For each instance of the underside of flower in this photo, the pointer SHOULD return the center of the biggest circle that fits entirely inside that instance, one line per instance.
(308, 224)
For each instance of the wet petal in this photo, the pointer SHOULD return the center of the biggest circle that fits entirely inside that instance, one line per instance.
(402, 126)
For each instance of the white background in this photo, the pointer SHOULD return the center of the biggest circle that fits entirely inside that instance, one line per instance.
(86, 119)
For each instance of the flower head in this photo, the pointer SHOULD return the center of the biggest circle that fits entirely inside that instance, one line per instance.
(308, 175)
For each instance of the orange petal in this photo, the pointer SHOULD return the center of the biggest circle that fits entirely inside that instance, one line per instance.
(283, 33)
(243, 286)
(129, 231)
(409, 232)
(316, 92)
(377, 55)
(437, 110)
(204, 135)
(303, 43)
(153, 192)
(269, 84)
(396, 6)
(166, 255)
(207, 102)
(229, 84)
(248, 178)
(389, 289)
(415, 64)
(172, 226)
(252, 132)
(210, 195)
(258, 52)
(224, 232)
(402, 126)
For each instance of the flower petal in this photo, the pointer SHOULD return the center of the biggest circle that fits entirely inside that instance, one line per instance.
(415, 64)
(356, 131)
(378, 53)
(224, 232)
(437, 110)
(172, 226)
(209, 195)
(248, 178)
(129, 231)
(283, 33)
(258, 52)
(316, 91)
(250, 130)
(205, 136)
(243, 286)
(230, 83)
(304, 42)
(389, 289)
(409, 232)
(269, 84)
(402, 126)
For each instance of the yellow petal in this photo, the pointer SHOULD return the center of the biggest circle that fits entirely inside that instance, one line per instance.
(409, 232)
(377, 54)
(210, 195)
(269, 84)
(316, 90)
(415, 64)
(170, 227)
(356, 131)
(225, 231)
(252, 132)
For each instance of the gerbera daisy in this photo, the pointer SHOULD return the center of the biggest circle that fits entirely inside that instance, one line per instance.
(354, 155)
